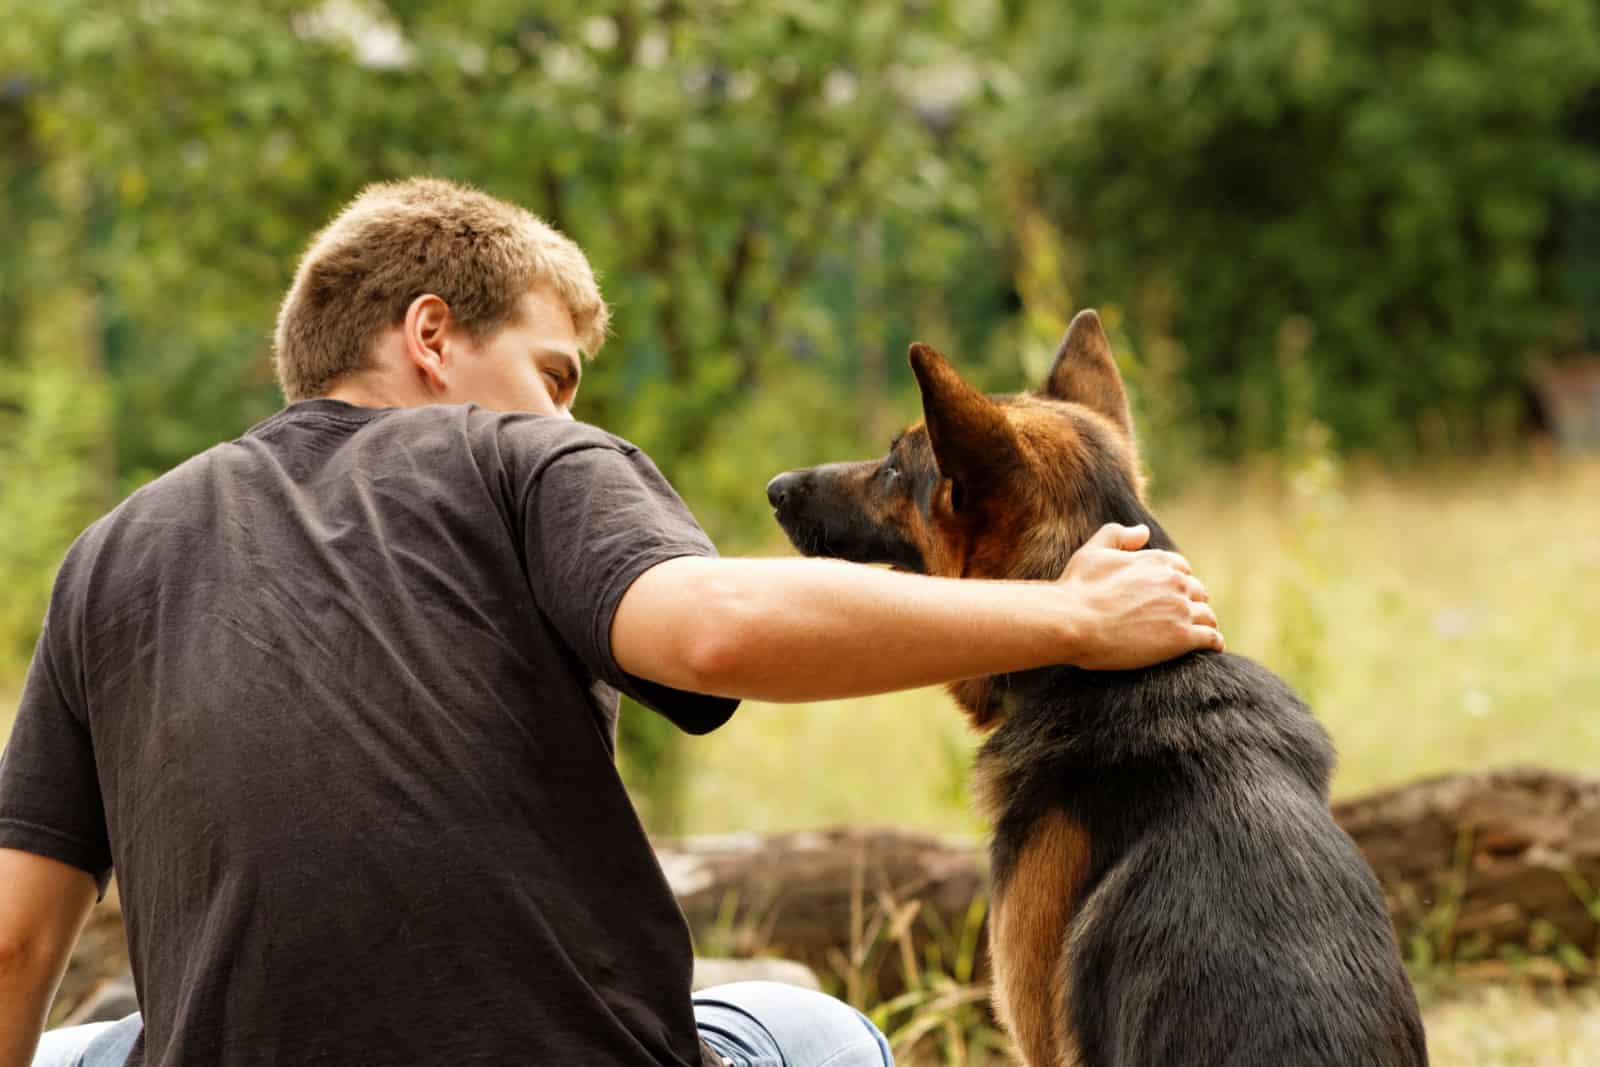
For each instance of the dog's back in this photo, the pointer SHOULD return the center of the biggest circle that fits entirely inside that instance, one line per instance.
(1223, 917)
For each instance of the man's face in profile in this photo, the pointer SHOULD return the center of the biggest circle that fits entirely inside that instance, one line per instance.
(532, 363)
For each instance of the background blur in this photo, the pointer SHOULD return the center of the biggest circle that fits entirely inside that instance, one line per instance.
(1348, 252)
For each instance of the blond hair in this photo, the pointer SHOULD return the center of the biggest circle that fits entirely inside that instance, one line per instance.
(398, 240)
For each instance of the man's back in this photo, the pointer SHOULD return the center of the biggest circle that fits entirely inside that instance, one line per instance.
(339, 679)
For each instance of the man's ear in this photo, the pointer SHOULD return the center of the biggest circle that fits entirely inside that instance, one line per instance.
(425, 337)
(1086, 373)
(972, 440)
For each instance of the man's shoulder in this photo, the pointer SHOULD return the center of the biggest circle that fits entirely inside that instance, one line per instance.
(530, 443)
(547, 432)
(167, 509)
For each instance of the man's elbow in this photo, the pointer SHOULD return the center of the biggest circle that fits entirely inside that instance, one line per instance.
(711, 663)
(690, 624)
(716, 651)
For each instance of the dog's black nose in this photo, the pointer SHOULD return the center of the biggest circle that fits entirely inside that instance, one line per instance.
(782, 487)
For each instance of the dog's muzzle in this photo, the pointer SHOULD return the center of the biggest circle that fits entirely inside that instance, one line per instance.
(782, 488)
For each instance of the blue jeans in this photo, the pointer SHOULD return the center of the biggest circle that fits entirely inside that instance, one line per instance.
(750, 1024)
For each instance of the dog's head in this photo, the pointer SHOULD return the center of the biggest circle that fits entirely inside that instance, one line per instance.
(984, 486)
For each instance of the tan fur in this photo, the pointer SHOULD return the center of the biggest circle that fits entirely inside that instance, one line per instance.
(991, 787)
(1028, 940)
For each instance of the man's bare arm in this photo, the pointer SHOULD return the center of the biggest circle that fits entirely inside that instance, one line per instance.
(807, 629)
(43, 904)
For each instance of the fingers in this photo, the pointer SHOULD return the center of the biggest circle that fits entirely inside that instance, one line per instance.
(1128, 538)
(1173, 560)
(1203, 628)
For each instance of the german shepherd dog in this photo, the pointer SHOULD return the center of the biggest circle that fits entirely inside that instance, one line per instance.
(1169, 887)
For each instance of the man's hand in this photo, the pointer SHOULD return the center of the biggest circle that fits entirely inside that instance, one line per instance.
(42, 907)
(1136, 608)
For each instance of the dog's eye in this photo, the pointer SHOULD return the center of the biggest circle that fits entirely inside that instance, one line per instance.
(889, 473)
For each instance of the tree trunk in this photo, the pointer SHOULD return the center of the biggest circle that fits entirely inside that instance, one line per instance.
(1477, 869)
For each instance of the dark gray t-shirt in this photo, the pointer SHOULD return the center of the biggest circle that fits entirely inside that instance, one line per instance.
(337, 702)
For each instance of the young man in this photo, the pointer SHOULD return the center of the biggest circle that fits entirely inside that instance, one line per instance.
(337, 700)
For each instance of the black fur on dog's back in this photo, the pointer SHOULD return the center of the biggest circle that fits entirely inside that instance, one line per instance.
(1225, 917)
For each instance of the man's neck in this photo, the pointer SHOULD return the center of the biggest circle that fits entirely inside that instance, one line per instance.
(369, 392)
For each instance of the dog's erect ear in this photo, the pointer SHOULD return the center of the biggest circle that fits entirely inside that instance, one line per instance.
(971, 437)
(1086, 373)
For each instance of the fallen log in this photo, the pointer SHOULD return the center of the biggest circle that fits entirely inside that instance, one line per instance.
(1478, 869)
(867, 909)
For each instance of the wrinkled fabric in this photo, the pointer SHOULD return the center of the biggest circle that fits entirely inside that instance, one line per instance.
(336, 700)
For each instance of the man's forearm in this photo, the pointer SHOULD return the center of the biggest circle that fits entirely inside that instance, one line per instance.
(24, 999)
(43, 904)
(807, 629)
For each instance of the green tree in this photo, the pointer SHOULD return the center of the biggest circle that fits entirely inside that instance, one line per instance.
(724, 165)
(1391, 176)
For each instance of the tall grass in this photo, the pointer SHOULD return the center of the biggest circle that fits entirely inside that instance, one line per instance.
(1438, 620)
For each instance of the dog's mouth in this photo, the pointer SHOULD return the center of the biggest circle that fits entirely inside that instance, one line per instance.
(854, 541)
(808, 537)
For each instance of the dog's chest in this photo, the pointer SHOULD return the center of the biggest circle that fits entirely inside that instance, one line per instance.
(1029, 918)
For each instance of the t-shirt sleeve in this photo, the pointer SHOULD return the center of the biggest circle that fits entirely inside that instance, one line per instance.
(595, 518)
(50, 801)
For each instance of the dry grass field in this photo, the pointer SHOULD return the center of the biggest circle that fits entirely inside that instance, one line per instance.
(1437, 621)
(1497, 1027)
(1490, 1027)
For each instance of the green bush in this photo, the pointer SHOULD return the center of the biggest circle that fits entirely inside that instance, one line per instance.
(1395, 177)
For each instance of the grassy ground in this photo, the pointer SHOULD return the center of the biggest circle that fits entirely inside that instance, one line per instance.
(1437, 621)
(1499, 1027)
(1487, 1027)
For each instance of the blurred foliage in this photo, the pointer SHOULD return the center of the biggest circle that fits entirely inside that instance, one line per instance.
(780, 196)
(1397, 175)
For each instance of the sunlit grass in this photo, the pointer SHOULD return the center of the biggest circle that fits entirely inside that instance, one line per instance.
(1439, 620)
(1496, 1026)
(1489, 1026)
